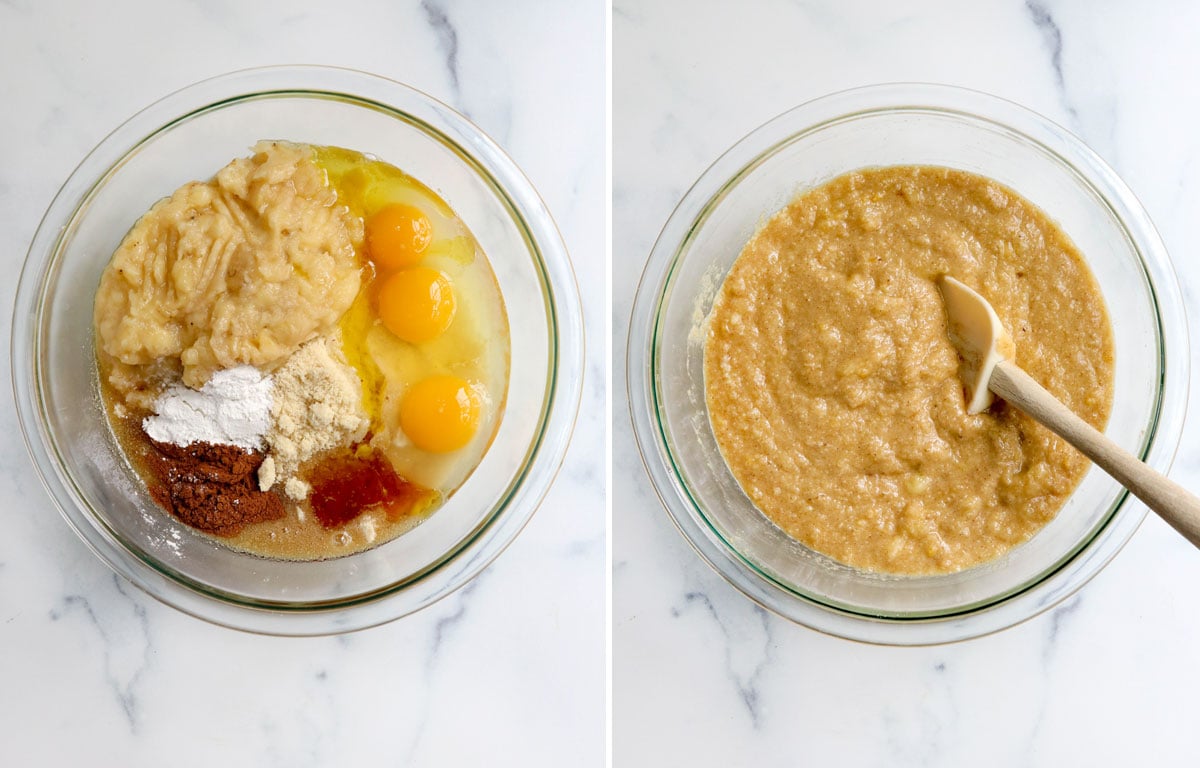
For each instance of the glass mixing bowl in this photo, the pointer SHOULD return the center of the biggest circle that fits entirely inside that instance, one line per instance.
(881, 126)
(190, 135)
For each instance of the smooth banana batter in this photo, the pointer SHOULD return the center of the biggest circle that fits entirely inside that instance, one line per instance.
(831, 382)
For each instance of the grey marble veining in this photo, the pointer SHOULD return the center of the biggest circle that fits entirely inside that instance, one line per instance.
(745, 635)
(1053, 38)
(447, 37)
(118, 620)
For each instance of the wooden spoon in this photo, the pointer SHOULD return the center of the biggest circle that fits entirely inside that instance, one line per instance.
(987, 366)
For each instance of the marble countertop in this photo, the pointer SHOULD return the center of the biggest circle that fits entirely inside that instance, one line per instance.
(509, 671)
(704, 677)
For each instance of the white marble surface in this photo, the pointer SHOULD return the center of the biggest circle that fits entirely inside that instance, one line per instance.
(701, 676)
(509, 671)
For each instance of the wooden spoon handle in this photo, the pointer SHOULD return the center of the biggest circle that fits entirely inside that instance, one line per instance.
(1171, 501)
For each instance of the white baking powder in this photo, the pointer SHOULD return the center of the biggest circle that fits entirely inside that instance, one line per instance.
(232, 408)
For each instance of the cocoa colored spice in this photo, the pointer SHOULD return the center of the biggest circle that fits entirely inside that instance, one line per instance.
(213, 488)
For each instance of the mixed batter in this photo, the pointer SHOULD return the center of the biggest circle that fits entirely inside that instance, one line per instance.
(832, 386)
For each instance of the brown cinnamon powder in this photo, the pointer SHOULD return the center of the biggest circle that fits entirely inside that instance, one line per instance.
(213, 488)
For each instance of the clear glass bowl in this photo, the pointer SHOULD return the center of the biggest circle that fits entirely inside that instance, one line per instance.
(190, 135)
(880, 126)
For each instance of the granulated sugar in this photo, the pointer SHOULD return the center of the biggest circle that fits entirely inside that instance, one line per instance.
(232, 408)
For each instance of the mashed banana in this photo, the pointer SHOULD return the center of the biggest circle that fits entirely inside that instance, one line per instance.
(242, 269)
(832, 386)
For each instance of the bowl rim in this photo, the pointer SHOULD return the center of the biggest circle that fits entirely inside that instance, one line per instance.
(546, 248)
(1072, 571)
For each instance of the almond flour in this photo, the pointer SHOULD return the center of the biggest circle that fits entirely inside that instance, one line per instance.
(317, 408)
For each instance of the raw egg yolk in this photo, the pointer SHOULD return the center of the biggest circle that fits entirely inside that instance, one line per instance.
(417, 304)
(397, 236)
(440, 414)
